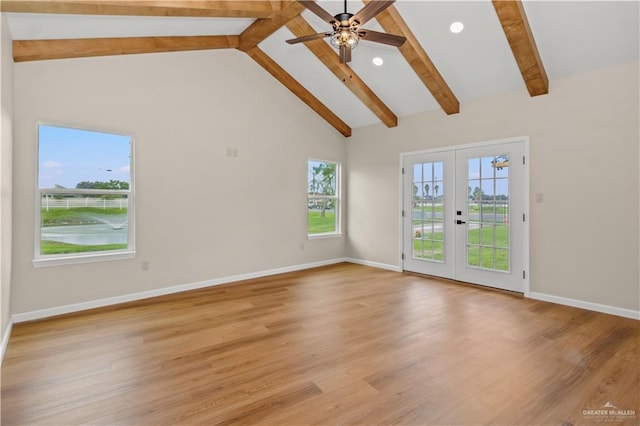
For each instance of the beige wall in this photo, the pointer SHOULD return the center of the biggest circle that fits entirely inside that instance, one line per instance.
(200, 215)
(247, 214)
(6, 143)
(584, 139)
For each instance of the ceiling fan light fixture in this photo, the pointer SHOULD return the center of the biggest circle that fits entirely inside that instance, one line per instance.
(346, 28)
(456, 27)
(344, 37)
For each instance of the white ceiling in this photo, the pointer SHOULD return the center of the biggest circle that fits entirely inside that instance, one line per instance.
(572, 37)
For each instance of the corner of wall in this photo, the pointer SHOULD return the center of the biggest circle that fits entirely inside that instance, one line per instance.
(6, 334)
(6, 171)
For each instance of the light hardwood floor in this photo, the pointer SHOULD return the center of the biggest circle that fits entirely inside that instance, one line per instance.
(343, 344)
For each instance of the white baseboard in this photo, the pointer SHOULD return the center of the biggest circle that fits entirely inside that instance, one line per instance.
(59, 310)
(5, 339)
(374, 264)
(66, 309)
(597, 307)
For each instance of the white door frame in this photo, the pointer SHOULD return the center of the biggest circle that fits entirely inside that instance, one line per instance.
(525, 193)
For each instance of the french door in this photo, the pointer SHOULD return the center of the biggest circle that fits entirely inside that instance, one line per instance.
(464, 214)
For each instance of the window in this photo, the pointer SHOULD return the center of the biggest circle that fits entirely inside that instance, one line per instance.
(323, 198)
(488, 212)
(84, 203)
(428, 211)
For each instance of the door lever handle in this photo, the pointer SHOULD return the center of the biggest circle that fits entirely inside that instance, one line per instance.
(460, 222)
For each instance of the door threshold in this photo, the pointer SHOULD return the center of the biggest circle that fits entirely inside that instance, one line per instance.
(458, 282)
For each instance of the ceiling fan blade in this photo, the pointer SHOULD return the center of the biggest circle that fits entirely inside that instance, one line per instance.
(384, 38)
(315, 8)
(307, 38)
(371, 10)
(345, 54)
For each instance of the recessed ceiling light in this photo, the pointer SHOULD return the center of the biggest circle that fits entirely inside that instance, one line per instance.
(377, 61)
(456, 27)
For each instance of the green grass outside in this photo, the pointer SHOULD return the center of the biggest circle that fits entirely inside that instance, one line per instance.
(479, 255)
(472, 208)
(431, 246)
(483, 257)
(430, 208)
(77, 215)
(429, 249)
(55, 247)
(485, 236)
(316, 224)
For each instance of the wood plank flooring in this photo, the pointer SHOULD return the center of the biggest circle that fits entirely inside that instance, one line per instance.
(343, 344)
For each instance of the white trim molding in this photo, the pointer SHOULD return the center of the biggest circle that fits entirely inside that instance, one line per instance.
(76, 307)
(597, 307)
(99, 303)
(452, 269)
(374, 264)
(5, 339)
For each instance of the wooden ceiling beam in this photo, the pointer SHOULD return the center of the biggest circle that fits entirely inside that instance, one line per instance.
(297, 89)
(414, 53)
(38, 50)
(193, 8)
(263, 28)
(516, 27)
(327, 55)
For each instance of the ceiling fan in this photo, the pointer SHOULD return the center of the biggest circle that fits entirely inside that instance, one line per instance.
(346, 27)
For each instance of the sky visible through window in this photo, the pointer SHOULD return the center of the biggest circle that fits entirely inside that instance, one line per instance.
(481, 174)
(69, 156)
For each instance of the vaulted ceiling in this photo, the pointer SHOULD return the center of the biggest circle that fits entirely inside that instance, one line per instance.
(506, 45)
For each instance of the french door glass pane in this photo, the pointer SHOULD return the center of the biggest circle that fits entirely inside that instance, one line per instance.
(488, 213)
(428, 212)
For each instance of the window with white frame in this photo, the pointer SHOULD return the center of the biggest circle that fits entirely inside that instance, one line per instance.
(323, 198)
(84, 207)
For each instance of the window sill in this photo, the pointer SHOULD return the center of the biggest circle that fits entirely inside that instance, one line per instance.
(323, 236)
(86, 258)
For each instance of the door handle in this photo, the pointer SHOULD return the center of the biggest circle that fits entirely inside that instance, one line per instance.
(460, 222)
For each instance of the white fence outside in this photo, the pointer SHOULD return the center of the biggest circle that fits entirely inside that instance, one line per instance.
(49, 202)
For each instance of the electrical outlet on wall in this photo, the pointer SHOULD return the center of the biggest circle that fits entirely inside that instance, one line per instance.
(145, 265)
